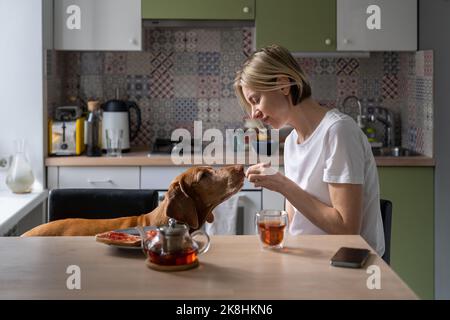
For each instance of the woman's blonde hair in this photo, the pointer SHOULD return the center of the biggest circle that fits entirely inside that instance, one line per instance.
(262, 69)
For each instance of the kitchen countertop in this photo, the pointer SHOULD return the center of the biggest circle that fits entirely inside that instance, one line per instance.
(234, 268)
(13, 207)
(140, 157)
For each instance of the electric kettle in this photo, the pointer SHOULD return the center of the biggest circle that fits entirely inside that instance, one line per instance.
(116, 116)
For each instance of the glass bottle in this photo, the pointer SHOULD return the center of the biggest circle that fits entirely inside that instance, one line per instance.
(20, 176)
(93, 141)
(370, 129)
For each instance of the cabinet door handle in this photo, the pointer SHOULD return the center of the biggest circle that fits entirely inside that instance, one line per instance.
(328, 41)
(100, 181)
(246, 9)
(345, 41)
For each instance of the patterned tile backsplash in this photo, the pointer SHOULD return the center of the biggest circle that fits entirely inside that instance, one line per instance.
(186, 74)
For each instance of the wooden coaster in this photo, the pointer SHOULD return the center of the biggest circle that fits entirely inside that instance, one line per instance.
(171, 268)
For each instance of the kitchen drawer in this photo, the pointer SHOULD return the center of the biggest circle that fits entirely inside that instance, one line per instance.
(99, 177)
(159, 178)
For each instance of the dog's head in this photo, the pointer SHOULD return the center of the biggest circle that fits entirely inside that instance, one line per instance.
(197, 191)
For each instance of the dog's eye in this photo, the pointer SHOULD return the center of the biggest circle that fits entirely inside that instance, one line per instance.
(205, 174)
(202, 174)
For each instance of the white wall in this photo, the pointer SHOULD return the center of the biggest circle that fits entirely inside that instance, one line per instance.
(21, 81)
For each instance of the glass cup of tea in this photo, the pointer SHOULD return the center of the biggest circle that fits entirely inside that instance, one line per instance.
(272, 226)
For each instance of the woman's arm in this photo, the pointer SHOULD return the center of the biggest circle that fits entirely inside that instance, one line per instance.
(342, 217)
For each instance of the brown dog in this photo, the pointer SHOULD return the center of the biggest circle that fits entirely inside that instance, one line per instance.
(191, 197)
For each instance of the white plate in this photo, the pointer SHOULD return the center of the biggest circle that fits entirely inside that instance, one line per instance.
(133, 232)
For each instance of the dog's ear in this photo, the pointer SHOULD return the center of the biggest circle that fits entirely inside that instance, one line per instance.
(181, 206)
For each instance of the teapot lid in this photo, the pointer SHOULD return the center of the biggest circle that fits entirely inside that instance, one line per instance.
(173, 228)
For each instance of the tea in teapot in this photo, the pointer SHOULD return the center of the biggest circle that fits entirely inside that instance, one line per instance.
(173, 247)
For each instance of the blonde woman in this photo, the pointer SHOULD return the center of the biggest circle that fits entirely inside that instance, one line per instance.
(331, 181)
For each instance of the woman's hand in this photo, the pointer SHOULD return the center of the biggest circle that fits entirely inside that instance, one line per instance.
(263, 175)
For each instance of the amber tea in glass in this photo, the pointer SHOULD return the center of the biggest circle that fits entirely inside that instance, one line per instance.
(272, 228)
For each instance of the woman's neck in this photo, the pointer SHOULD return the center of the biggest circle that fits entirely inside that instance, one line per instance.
(306, 117)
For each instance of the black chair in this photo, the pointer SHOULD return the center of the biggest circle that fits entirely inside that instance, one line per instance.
(99, 203)
(386, 216)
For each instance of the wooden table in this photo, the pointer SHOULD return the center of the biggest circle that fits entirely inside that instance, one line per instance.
(234, 268)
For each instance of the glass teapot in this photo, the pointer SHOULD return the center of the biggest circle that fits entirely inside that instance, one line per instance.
(173, 245)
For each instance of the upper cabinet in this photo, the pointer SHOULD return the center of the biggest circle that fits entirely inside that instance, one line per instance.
(377, 25)
(199, 9)
(298, 25)
(97, 25)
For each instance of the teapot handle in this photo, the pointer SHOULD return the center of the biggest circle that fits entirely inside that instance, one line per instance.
(204, 245)
(143, 235)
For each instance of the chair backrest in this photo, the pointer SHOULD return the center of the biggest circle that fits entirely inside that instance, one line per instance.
(386, 215)
(99, 203)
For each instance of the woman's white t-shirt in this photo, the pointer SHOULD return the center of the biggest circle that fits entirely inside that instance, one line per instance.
(336, 152)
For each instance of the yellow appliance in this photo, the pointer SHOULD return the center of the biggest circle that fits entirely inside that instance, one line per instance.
(66, 138)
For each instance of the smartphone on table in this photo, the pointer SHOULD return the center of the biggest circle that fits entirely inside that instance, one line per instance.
(350, 257)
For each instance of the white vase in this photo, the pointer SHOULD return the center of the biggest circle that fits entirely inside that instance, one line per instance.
(20, 176)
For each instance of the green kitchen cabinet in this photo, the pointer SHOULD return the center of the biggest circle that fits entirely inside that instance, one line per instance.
(411, 190)
(199, 9)
(298, 25)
